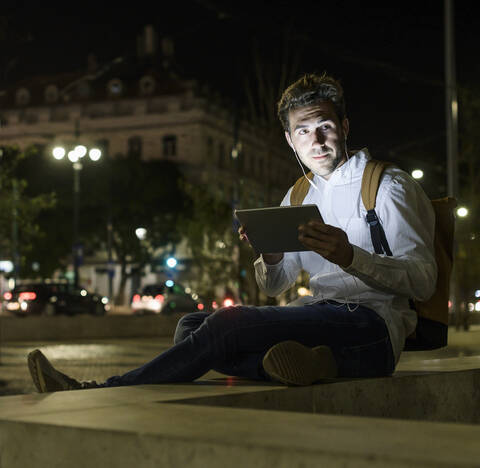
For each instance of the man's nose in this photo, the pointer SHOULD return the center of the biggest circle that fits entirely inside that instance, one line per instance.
(319, 136)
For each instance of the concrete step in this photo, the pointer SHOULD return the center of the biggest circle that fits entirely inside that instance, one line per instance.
(229, 422)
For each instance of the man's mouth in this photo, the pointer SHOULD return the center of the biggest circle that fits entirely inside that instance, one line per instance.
(320, 156)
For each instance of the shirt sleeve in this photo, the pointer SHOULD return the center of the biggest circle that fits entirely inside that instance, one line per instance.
(275, 279)
(408, 219)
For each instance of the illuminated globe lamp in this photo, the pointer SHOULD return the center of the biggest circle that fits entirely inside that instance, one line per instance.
(141, 233)
(95, 154)
(58, 152)
(462, 211)
(417, 174)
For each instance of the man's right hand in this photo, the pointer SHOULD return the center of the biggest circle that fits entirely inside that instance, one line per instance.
(271, 258)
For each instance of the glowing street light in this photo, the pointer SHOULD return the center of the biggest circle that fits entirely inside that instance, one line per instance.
(172, 262)
(58, 152)
(74, 157)
(95, 154)
(80, 150)
(417, 174)
(462, 211)
(141, 233)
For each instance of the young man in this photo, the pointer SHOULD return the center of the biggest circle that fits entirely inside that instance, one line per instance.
(356, 321)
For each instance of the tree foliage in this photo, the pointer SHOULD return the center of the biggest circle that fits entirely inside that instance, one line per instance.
(126, 192)
(19, 210)
(207, 226)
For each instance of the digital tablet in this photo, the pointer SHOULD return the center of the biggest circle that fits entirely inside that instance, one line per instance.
(275, 229)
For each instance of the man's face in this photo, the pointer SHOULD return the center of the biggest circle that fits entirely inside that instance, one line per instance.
(318, 137)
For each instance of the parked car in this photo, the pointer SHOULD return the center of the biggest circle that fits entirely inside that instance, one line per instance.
(163, 299)
(53, 299)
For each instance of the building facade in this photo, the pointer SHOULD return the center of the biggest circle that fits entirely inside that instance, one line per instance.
(137, 109)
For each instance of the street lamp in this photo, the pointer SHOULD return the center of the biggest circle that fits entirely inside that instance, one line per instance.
(417, 174)
(74, 156)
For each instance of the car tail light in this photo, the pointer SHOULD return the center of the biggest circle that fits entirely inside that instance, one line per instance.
(27, 296)
(159, 298)
(7, 296)
(200, 306)
(136, 298)
(228, 302)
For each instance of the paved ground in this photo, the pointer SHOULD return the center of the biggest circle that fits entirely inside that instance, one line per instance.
(99, 359)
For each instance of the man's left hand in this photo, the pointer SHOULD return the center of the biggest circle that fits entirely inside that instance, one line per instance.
(328, 241)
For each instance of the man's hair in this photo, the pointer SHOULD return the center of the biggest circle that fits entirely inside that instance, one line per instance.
(308, 90)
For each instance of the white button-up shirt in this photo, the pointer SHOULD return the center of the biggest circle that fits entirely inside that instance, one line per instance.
(379, 282)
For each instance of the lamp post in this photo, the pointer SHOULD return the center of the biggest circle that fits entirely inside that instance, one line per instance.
(75, 156)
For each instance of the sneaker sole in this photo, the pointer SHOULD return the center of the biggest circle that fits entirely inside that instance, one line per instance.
(35, 372)
(292, 363)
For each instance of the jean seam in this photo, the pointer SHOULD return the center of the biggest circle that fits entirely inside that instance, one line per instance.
(364, 346)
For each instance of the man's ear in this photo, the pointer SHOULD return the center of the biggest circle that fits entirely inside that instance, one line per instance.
(345, 127)
(289, 140)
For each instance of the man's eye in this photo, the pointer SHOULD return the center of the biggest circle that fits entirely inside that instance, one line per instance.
(303, 131)
(326, 127)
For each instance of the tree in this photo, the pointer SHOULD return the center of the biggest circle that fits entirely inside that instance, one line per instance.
(207, 226)
(19, 211)
(137, 194)
(126, 191)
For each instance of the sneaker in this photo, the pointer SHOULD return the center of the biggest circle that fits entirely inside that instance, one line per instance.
(47, 379)
(292, 363)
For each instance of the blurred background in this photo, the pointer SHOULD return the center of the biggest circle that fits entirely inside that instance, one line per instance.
(130, 133)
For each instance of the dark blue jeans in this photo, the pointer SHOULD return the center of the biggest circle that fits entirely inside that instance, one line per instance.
(234, 340)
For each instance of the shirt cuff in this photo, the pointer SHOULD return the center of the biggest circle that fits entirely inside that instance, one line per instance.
(360, 262)
(267, 266)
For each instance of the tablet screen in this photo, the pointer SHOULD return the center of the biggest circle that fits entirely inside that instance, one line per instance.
(275, 229)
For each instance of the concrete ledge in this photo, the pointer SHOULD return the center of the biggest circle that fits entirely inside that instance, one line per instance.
(445, 397)
(212, 423)
(85, 326)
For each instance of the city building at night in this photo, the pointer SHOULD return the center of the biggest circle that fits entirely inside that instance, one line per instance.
(139, 106)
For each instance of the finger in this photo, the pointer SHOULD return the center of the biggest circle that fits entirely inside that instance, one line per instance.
(315, 227)
(320, 226)
(316, 244)
(309, 231)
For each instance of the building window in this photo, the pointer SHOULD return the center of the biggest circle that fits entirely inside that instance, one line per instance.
(83, 90)
(134, 147)
(51, 94)
(242, 161)
(103, 144)
(22, 97)
(222, 156)
(169, 145)
(210, 149)
(115, 87)
(147, 85)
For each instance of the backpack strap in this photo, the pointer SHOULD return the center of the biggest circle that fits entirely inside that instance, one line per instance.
(300, 190)
(370, 182)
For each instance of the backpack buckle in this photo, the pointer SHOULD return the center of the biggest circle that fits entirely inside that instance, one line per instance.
(372, 219)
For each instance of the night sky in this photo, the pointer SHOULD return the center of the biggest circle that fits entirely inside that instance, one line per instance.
(388, 55)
